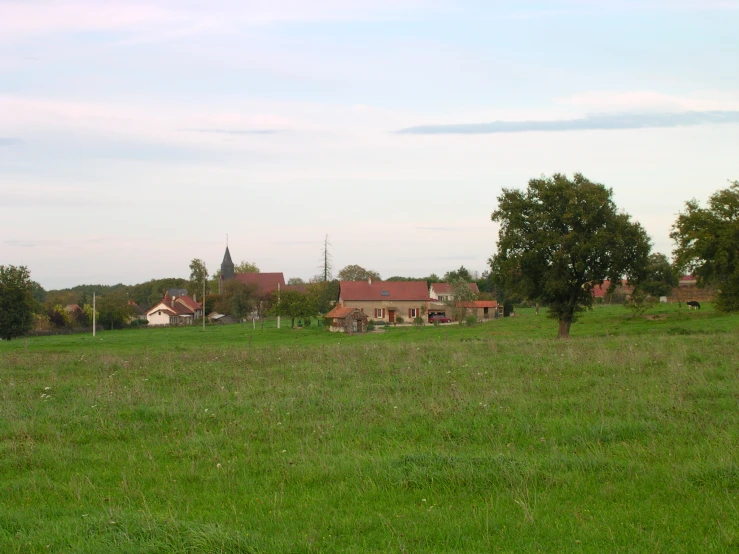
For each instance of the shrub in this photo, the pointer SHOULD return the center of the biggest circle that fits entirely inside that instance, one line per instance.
(418, 321)
(470, 320)
(399, 319)
(371, 325)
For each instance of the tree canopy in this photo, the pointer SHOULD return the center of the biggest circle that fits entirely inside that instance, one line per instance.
(16, 301)
(559, 238)
(357, 273)
(707, 244)
(198, 277)
(661, 277)
(246, 267)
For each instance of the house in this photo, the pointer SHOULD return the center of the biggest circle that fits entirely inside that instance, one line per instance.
(385, 300)
(346, 320)
(443, 291)
(174, 310)
(72, 309)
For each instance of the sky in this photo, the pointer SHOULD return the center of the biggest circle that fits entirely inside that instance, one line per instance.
(137, 135)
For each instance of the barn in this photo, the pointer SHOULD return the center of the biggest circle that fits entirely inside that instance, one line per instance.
(346, 320)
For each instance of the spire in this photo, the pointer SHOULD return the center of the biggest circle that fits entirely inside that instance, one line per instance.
(227, 266)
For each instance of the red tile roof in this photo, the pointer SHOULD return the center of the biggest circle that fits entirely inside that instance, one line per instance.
(267, 282)
(189, 302)
(340, 312)
(395, 290)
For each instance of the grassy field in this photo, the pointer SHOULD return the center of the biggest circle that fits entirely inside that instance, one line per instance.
(440, 439)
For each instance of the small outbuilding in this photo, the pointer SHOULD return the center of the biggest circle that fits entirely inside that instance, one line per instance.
(346, 320)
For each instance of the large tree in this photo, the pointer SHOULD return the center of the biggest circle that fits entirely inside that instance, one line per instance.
(16, 301)
(357, 273)
(114, 309)
(559, 238)
(198, 277)
(661, 277)
(707, 242)
(238, 299)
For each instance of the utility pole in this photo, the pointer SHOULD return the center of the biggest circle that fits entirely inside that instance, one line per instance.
(205, 279)
(278, 305)
(93, 314)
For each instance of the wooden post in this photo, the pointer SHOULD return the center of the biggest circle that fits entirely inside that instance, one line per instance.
(93, 314)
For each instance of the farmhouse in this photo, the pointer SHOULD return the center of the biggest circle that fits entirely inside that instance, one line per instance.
(385, 300)
(346, 320)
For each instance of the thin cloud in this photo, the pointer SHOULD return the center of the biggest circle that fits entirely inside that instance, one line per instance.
(10, 141)
(235, 131)
(587, 123)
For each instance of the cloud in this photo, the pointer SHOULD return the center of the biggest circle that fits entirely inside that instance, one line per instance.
(235, 131)
(10, 141)
(587, 123)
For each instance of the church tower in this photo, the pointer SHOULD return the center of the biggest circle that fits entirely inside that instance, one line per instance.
(227, 270)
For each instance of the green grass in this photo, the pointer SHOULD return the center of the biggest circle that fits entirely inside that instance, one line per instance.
(442, 439)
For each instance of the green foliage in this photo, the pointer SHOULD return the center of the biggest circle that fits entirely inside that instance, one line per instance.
(16, 301)
(560, 238)
(707, 242)
(399, 319)
(461, 274)
(324, 295)
(357, 273)
(238, 299)
(294, 304)
(661, 276)
(418, 321)
(246, 267)
(639, 301)
(470, 320)
(114, 310)
(295, 281)
(198, 278)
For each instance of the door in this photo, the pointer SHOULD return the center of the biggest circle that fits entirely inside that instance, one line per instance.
(391, 316)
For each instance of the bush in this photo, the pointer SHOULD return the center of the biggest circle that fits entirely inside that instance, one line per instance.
(470, 320)
(371, 325)
(418, 321)
(399, 319)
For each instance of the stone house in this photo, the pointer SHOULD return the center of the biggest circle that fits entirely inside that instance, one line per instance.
(385, 300)
(346, 320)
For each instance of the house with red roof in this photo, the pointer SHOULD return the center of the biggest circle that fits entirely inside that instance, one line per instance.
(443, 291)
(175, 310)
(346, 320)
(385, 300)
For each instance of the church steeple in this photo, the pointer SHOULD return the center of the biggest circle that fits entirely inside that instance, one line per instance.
(227, 266)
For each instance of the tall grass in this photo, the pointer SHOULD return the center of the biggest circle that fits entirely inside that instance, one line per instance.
(430, 440)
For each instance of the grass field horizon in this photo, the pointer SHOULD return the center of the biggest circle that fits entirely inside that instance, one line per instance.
(496, 437)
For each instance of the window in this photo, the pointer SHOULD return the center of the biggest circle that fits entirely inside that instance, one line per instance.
(379, 313)
(385, 293)
(412, 312)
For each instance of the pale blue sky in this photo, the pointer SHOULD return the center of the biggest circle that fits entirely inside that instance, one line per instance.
(135, 135)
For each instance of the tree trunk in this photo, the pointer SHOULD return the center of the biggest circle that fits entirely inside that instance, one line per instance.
(564, 329)
(537, 308)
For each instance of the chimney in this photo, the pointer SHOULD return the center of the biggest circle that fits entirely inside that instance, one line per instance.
(369, 280)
